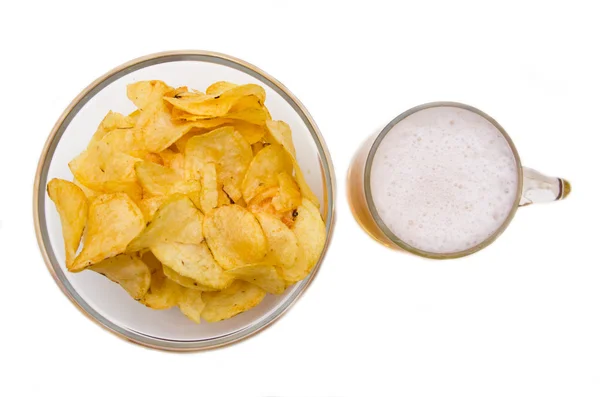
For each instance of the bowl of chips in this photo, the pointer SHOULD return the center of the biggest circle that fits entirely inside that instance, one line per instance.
(184, 200)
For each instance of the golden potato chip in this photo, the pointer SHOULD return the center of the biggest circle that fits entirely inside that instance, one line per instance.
(190, 303)
(150, 205)
(304, 188)
(89, 193)
(288, 196)
(237, 298)
(185, 281)
(309, 228)
(157, 180)
(129, 271)
(219, 87)
(156, 129)
(111, 121)
(263, 275)
(209, 194)
(280, 132)
(72, 206)
(248, 109)
(263, 201)
(126, 141)
(176, 221)
(251, 132)
(163, 292)
(105, 170)
(113, 221)
(264, 169)
(282, 242)
(209, 106)
(234, 236)
(228, 150)
(193, 261)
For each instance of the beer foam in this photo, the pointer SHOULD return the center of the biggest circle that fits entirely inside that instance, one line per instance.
(444, 179)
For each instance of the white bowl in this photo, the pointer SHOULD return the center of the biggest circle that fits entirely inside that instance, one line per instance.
(105, 302)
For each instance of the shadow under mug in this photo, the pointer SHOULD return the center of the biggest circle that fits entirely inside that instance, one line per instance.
(533, 187)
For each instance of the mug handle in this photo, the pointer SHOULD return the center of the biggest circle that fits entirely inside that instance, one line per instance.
(539, 188)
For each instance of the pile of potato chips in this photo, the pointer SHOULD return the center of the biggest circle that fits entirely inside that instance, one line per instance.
(194, 200)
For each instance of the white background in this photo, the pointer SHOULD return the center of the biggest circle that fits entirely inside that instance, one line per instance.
(518, 319)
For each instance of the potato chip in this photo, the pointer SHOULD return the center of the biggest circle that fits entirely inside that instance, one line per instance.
(309, 228)
(111, 121)
(264, 169)
(157, 180)
(234, 236)
(185, 281)
(249, 109)
(281, 133)
(176, 221)
(129, 271)
(89, 193)
(156, 128)
(113, 221)
(193, 261)
(190, 303)
(150, 205)
(282, 242)
(263, 201)
(163, 292)
(263, 275)
(72, 206)
(219, 87)
(228, 150)
(105, 170)
(251, 132)
(237, 298)
(209, 106)
(209, 194)
(288, 197)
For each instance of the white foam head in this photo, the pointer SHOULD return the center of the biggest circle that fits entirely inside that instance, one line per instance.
(444, 179)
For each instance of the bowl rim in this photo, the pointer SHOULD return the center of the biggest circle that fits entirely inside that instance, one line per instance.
(39, 200)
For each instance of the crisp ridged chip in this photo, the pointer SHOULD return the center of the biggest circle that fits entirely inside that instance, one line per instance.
(193, 261)
(264, 169)
(237, 298)
(113, 221)
(234, 236)
(177, 220)
(71, 204)
(129, 271)
(264, 275)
